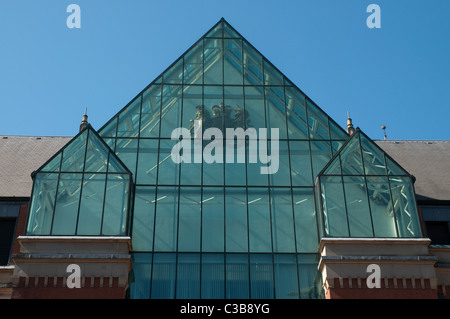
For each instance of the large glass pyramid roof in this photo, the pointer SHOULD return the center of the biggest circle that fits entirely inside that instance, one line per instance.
(222, 73)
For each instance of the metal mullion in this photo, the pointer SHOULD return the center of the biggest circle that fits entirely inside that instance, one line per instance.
(201, 173)
(224, 161)
(82, 180)
(393, 207)
(104, 193)
(156, 196)
(365, 183)
(56, 193)
(179, 186)
(345, 200)
(291, 189)
(157, 175)
(269, 185)
(246, 198)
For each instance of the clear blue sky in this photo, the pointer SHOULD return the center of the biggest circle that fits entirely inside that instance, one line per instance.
(398, 75)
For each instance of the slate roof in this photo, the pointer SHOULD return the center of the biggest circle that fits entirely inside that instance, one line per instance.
(428, 161)
(19, 157)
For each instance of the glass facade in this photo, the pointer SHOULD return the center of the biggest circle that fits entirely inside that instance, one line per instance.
(213, 216)
(83, 190)
(364, 193)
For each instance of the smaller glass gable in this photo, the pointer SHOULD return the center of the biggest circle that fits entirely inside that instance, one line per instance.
(364, 193)
(83, 190)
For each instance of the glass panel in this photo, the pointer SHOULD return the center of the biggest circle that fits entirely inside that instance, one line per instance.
(192, 107)
(175, 74)
(228, 32)
(96, 156)
(334, 168)
(126, 150)
(192, 110)
(73, 154)
(381, 207)
(321, 155)
(213, 114)
(282, 220)
(234, 97)
(235, 171)
(336, 146)
(236, 220)
(129, 119)
(213, 171)
(67, 201)
(142, 270)
(259, 220)
(254, 105)
(359, 218)
(213, 220)
(393, 168)
(216, 32)
(373, 158)
(213, 68)
(255, 178)
(336, 224)
(301, 173)
(307, 271)
(317, 122)
(276, 112)
(261, 276)
(188, 276)
(252, 62)
(163, 276)
(111, 142)
(168, 170)
(42, 204)
(193, 65)
(143, 218)
(115, 165)
(281, 177)
(336, 132)
(190, 219)
(296, 114)
(351, 160)
(91, 206)
(405, 207)
(110, 129)
(286, 276)
(305, 220)
(116, 205)
(213, 276)
(191, 173)
(54, 165)
(171, 109)
(151, 106)
(237, 276)
(271, 75)
(233, 62)
(147, 167)
(166, 219)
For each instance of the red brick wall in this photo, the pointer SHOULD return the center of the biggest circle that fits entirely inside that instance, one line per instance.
(21, 226)
(50, 290)
(390, 291)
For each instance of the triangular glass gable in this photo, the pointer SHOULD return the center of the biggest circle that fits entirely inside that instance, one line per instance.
(87, 153)
(334, 167)
(223, 81)
(360, 175)
(360, 153)
(83, 190)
